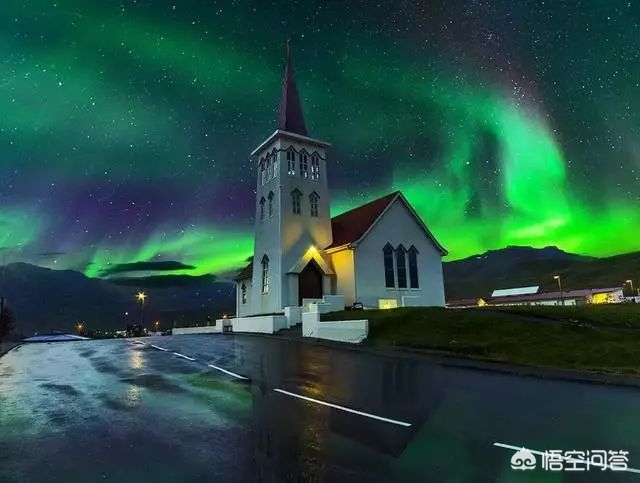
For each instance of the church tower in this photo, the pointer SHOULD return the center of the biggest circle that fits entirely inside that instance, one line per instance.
(293, 223)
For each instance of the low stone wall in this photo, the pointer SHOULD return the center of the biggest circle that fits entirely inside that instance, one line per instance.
(352, 331)
(214, 329)
(293, 315)
(265, 324)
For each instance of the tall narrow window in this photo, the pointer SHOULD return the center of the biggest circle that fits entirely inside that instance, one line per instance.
(315, 167)
(291, 162)
(270, 198)
(265, 274)
(413, 267)
(243, 292)
(402, 266)
(313, 204)
(262, 201)
(274, 163)
(304, 167)
(296, 201)
(268, 162)
(389, 276)
(262, 173)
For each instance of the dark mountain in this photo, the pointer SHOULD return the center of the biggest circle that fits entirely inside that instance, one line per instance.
(479, 275)
(45, 300)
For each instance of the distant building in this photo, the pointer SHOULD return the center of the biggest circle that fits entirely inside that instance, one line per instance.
(533, 296)
(380, 254)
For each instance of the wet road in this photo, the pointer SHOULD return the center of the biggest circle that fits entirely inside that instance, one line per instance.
(177, 409)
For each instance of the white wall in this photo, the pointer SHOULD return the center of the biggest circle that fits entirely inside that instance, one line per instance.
(398, 226)
(267, 324)
(351, 331)
(343, 265)
(198, 330)
(243, 309)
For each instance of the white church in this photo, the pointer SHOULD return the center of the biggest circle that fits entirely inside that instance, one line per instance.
(380, 255)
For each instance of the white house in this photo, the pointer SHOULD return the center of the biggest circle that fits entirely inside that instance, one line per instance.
(380, 254)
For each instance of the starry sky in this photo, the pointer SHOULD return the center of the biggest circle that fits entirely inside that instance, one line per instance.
(126, 126)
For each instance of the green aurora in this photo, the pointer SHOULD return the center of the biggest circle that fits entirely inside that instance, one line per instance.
(126, 130)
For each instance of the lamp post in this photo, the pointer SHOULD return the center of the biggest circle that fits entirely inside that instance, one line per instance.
(557, 277)
(156, 324)
(141, 296)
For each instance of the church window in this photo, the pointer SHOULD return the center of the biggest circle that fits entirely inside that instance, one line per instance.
(413, 267)
(296, 202)
(389, 275)
(262, 202)
(402, 266)
(262, 173)
(291, 162)
(265, 274)
(274, 163)
(304, 165)
(268, 161)
(243, 291)
(315, 167)
(313, 203)
(270, 197)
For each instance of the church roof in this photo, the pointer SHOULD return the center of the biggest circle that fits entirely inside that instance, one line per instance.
(350, 227)
(290, 116)
(245, 273)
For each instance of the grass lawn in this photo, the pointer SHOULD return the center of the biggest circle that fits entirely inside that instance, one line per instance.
(501, 335)
(625, 315)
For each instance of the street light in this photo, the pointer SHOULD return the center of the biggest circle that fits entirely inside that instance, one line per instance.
(79, 327)
(557, 277)
(141, 296)
(156, 324)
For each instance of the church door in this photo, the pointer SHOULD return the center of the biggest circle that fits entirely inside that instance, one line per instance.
(310, 282)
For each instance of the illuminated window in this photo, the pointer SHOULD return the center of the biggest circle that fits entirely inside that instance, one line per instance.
(389, 275)
(304, 165)
(243, 291)
(413, 267)
(313, 203)
(296, 202)
(265, 274)
(262, 201)
(291, 162)
(315, 167)
(402, 266)
(270, 197)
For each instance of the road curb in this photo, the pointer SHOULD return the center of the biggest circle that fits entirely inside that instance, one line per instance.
(4, 352)
(449, 360)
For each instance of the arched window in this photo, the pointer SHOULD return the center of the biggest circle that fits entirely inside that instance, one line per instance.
(313, 204)
(315, 167)
(389, 275)
(270, 198)
(402, 266)
(262, 201)
(268, 169)
(296, 202)
(291, 161)
(265, 274)
(304, 173)
(413, 267)
(274, 163)
(243, 293)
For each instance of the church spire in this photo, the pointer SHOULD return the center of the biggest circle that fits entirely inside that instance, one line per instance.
(290, 116)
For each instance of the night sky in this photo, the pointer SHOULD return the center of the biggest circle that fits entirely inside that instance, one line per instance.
(126, 126)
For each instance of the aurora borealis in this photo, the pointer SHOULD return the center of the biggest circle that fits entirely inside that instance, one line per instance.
(126, 126)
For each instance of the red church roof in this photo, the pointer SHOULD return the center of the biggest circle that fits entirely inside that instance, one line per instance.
(290, 116)
(350, 226)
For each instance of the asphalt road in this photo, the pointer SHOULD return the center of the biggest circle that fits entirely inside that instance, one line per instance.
(123, 411)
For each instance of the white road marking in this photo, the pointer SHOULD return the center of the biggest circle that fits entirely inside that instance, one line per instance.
(159, 348)
(566, 458)
(139, 342)
(183, 356)
(342, 408)
(227, 372)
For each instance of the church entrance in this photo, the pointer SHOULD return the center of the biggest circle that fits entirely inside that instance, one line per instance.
(310, 282)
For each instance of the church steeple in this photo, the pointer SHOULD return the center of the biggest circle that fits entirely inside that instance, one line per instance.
(290, 116)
